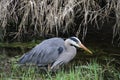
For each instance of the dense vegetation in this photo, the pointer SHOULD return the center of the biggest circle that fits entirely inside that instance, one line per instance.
(94, 70)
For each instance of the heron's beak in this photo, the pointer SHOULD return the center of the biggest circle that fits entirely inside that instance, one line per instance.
(86, 49)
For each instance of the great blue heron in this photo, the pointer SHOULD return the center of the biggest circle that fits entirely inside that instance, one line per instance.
(54, 51)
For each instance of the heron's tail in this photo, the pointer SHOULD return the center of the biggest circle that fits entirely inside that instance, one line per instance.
(25, 58)
(22, 60)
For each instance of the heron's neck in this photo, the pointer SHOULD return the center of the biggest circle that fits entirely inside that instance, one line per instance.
(68, 46)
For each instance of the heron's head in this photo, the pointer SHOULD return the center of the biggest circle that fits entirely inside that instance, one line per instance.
(76, 42)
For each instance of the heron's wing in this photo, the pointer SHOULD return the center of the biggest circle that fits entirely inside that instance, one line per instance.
(49, 55)
(44, 53)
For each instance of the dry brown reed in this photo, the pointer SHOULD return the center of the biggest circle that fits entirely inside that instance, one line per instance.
(51, 16)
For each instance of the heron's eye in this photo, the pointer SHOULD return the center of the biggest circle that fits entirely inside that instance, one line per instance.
(72, 45)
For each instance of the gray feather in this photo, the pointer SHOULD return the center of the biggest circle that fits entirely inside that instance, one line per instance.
(44, 53)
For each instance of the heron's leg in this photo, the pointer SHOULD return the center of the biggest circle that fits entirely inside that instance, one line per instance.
(49, 67)
(55, 69)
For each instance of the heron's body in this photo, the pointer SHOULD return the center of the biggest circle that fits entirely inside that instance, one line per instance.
(54, 51)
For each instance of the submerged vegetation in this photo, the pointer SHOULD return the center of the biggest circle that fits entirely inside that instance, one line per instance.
(28, 19)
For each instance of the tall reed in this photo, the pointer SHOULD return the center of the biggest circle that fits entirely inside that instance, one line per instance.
(44, 17)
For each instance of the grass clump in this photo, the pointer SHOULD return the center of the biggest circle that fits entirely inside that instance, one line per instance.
(87, 71)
